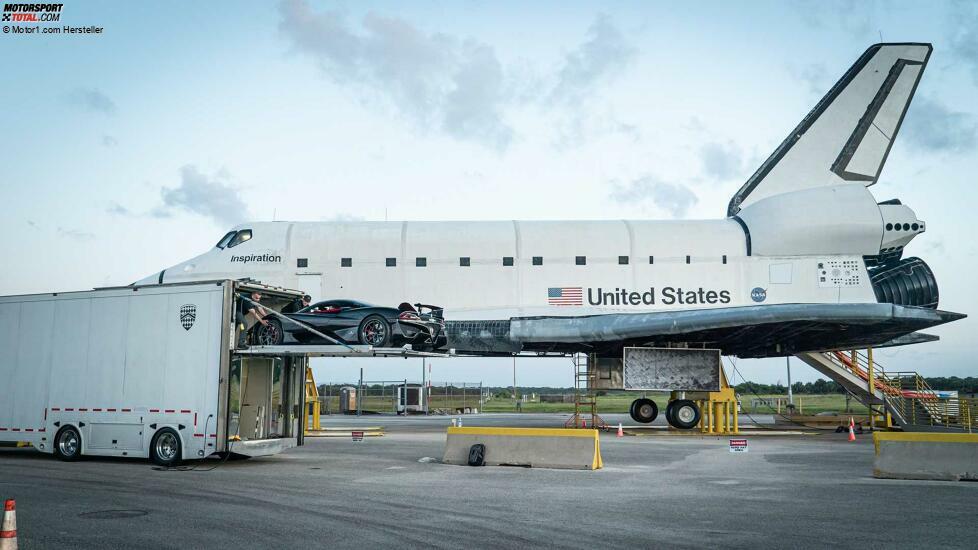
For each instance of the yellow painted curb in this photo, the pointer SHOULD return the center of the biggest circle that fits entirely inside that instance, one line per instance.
(531, 432)
(933, 437)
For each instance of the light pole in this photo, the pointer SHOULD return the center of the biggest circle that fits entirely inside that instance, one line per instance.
(516, 399)
(787, 362)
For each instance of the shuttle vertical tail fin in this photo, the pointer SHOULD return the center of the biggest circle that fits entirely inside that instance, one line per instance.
(847, 136)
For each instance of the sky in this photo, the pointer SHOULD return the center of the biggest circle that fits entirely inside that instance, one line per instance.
(134, 149)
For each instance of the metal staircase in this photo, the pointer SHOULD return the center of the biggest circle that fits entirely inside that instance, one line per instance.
(911, 403)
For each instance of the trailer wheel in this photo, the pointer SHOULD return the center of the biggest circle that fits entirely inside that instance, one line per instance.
(270, 334)
(67, 444)
(374, 331)
(685, 414)
(165, 450)
(644, 410)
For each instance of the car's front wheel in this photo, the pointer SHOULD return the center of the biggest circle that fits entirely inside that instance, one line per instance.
(374, 331)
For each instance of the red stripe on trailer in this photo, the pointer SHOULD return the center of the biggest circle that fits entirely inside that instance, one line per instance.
(43, 430)
(15, 429)
(97, 410)
(3, 429)
(69, 410)
(45, 413)
(198, 435)
(83, 410)
(184, 410)
(127, 410)
(55, 408)
(195, 419)
(110, 410)
(28, 429)
(213, 435)
(169, 410)
(154, 410)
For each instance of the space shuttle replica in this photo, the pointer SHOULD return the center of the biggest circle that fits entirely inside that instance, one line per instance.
(806, 259)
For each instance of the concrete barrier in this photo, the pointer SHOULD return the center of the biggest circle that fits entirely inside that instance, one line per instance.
(538, 448)
(926, 455)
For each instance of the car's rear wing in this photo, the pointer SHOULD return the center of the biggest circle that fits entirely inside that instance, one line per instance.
(437, 312)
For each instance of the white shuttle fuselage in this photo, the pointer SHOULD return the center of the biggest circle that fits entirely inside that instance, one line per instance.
(805, 259)
(503, 269)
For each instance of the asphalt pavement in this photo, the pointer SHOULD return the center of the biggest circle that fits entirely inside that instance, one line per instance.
(795, 491)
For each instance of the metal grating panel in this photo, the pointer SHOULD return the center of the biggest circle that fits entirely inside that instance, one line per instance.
(665, 369)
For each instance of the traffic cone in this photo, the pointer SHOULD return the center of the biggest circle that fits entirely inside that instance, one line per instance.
(583, 422)
(620, 433)
(852, 430)
(8, 532)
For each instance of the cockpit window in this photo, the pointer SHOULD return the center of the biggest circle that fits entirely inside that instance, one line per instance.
(240, 237)
(225, 240)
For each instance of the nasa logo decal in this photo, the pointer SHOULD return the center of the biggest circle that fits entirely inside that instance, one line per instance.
(188, 314)
(758, 294)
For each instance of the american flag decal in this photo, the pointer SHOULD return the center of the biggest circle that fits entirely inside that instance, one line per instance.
(565, 296)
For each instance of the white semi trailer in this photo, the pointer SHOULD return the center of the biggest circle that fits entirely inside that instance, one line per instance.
(144, 371)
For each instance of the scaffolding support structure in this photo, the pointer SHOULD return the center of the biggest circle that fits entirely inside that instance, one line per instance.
(585, 400)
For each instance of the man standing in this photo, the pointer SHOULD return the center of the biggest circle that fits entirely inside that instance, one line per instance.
(298, 304)
(247, 315)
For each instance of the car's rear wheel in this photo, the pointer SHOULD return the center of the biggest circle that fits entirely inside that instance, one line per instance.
(374, 331)
(270, 334)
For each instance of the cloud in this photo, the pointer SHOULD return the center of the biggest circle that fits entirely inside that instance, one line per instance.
(436, 80)
(964, 36)
(674, 198)
(815, 76)
(583, 127)
(117, 209)
(722, 161)
(932, 127)
(854, 17)
(204, 196)
(600, 57)
(109, 141)
(935, 246)
(92, 100)
(75, 234)
(445, 83)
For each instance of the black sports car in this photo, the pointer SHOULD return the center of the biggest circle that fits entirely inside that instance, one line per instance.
(353, 322)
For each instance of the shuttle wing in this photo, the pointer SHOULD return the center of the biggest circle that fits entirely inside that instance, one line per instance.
(751, 331)
(848, 135)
